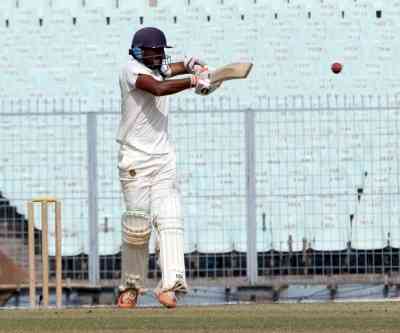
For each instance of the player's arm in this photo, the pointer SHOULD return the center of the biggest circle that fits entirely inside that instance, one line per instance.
(178, 68)
(168, 87)
(189, 66)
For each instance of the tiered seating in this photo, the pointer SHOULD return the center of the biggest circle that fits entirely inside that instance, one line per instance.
(292, 51)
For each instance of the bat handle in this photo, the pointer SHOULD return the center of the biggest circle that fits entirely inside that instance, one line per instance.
(204, 91)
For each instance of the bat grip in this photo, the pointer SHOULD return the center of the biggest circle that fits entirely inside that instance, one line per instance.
(204, 91)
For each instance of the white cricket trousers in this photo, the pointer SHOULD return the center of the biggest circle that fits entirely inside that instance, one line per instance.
(149, 184)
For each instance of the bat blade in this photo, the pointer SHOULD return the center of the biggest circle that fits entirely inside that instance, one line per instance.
(238, 70)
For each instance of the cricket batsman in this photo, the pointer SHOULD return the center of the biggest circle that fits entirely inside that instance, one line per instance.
(147, 166)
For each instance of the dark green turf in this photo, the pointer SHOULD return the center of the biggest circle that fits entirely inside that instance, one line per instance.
(277, 318)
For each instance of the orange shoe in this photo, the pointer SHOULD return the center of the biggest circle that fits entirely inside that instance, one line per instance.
(167, 298)
(128, 299)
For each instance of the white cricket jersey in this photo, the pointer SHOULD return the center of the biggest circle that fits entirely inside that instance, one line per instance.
(144, 117)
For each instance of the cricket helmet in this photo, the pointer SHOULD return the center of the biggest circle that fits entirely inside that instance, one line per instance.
(149, 37)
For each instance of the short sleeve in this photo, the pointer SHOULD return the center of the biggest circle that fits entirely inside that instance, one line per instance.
(131, 73)
(131, 76)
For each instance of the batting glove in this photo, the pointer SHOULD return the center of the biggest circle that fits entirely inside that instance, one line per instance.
(201, 84)
(191, 64)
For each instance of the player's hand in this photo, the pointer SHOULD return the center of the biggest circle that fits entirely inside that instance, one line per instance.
(201, 84)
(191, 64)
(200, 70)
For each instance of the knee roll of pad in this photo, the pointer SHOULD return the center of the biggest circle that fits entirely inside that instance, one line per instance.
(136, 227)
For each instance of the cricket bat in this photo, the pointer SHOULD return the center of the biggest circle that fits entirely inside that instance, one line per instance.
(237, 70)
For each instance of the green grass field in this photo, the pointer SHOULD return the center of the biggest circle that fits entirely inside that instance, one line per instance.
(277, 318)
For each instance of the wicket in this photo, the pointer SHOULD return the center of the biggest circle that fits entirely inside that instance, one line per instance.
(44, 202)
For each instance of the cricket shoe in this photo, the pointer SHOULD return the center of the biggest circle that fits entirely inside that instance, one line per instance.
(127, 299)
(167, 298)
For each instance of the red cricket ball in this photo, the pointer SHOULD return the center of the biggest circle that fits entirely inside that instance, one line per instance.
(336, 67)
